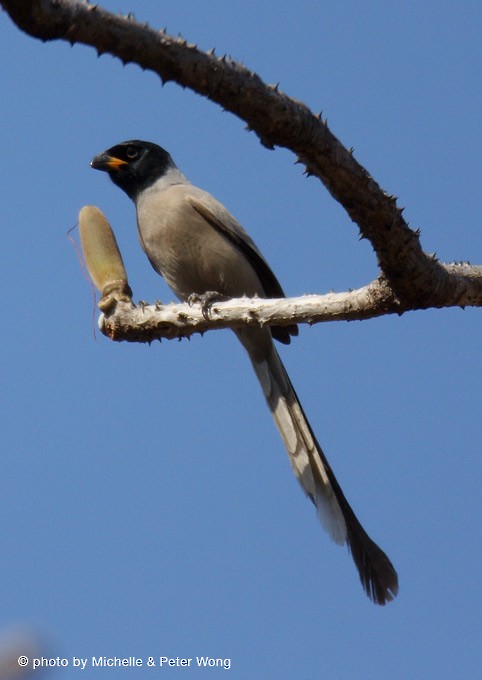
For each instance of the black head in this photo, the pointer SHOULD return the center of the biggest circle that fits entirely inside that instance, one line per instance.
(134, 165)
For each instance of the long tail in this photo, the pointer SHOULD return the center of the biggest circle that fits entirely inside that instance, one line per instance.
(377, 574)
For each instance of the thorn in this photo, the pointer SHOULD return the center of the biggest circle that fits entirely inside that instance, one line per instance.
(319, 115)
(211, 52)
(266, 143)
(351, 150)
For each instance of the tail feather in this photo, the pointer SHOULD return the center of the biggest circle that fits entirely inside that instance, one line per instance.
(309, 463)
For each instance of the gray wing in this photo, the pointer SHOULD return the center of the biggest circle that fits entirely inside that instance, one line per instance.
(232, 230)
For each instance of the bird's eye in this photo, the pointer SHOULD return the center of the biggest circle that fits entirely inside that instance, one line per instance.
(132, 152)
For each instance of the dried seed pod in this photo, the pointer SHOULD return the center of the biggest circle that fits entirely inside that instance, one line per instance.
(101, 253)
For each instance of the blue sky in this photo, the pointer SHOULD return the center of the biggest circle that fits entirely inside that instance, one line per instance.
(148, 507)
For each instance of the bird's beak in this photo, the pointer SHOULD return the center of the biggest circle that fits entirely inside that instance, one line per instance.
(107, 163)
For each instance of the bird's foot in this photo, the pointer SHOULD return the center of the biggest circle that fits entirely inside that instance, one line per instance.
(206, 300)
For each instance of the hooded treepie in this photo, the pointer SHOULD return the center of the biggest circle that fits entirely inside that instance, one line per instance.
(199, 248)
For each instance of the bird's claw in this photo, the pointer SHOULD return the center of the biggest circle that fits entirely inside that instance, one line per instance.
(206, 300)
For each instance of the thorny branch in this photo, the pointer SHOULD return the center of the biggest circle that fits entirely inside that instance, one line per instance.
(411, 279)
(144, 323)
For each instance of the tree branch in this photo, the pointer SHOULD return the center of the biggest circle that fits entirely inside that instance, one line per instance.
(417, 280)
(123, 320)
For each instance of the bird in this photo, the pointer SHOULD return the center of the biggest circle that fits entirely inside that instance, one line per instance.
(202, 251)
